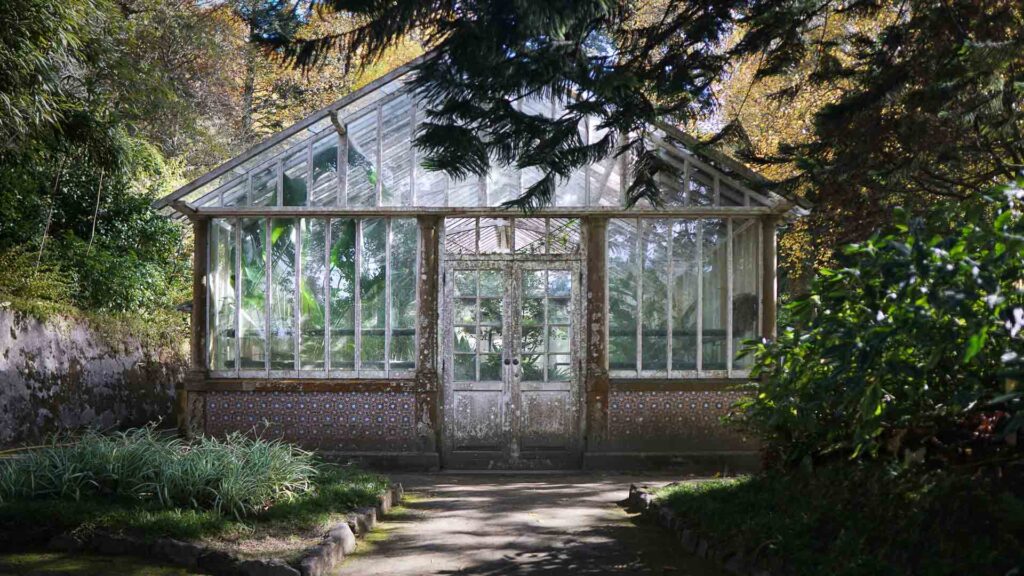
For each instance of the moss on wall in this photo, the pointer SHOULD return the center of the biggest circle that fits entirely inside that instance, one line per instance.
(61, 373)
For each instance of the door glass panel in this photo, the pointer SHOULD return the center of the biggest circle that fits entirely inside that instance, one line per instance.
(558, 368)
(477, 331)
(465, 339)
(545, 324)
(490, 311)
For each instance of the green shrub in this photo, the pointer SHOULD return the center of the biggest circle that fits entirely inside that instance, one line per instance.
(915, 335)
(857, 519)
(238, 476)
(42, 289)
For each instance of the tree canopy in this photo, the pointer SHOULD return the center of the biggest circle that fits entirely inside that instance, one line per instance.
(901, 102)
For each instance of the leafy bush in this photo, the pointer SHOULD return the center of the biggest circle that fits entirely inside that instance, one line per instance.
(915, 340)
(42, 290)
(858, 519)
(237, 476)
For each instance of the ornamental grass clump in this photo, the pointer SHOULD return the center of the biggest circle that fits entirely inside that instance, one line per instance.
(237, 475)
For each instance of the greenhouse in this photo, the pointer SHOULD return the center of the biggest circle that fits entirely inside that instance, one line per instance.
(349, 300)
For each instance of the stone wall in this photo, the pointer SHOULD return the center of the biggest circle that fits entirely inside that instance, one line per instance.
(61, 374)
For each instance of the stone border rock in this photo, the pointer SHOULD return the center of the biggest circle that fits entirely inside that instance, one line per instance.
(733, 561)
(319, 560)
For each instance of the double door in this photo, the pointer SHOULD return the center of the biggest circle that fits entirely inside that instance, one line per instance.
(511, 365)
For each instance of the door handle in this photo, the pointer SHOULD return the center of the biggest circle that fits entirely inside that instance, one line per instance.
(507, 361)
(515, 361)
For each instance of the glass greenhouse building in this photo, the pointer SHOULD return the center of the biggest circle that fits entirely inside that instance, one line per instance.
(350, 301)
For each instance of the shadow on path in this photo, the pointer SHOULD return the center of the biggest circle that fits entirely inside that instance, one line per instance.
(491, 525)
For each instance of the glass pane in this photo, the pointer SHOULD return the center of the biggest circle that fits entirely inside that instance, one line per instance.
(396, 162)
(558, 310)
(490, 339)
(728, 195)
(465, 311)
(563, 236)
(622, 292)
(264, 187)
(558, 339)
(684, 295)
(222, 294)
(465, 339)
(495, 236)
(325, 171)
(559, 283)
(294, 184)
(490, 367)
(559, 367)
(403, 350)
(312, 298)
(465, 367)
(343, 277)
(656, 234)
(464, 193)
(534, 282)
(702, 187)
(492, 283)
(605, 176)
(713, 294)
(465, 283)
(430, 187)
(490, 311)
(532, 339)
(745, 309)
(362, 161)
(531, 234)
(460, 235)
(533, 367)
(502, 185)
(404, 232)
(235, 195)
(372, 284)
(252, 323)
(282, 293)
(533, 311)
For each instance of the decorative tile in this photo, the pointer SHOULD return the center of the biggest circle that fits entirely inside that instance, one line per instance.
(340, 421)
(673, 420)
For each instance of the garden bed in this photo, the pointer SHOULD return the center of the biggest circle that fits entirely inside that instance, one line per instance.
(228, 501)
(851, 520)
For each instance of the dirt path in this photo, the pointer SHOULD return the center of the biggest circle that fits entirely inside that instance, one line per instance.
(489, 525)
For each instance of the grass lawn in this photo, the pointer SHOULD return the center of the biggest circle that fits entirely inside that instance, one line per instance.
(848, 520)
(283, 530)
(82, 565)
(253, 497)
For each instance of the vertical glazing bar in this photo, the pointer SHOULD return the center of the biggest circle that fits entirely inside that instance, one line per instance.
(343, 168)
(297, 297)
(269, 271)
(700, 296)
(687, 192)
(328, 242)
(389, 244)
(476, 353)
(668, 300)
(210, 311)
(380, 156)
(357, 358)
(728, 293)
(476, 228)
(280, 183)
(412, 155)
(639, 295)
(236, 231)
(309, 172)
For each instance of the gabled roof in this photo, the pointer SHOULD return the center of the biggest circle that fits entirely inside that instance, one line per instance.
(680, 148)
